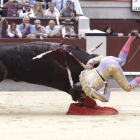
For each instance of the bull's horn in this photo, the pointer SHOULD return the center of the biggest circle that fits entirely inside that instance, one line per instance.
(93, 49)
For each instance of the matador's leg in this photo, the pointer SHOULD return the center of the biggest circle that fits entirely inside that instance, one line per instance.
(111, 67)
(127, 45)
(125, 50)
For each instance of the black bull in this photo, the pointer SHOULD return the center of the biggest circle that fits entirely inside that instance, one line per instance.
(50, 70)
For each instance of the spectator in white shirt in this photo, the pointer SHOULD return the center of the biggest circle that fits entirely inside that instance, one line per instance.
(68, 30)
(13, 32)
(67, 27)
(39, 29)
(52, 29)
(51, 11)
(26, 10)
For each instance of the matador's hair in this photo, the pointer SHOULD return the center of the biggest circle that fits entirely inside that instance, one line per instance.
(75, 93)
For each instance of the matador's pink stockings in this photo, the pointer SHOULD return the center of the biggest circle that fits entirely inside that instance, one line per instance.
(137, 79)
(126, 47)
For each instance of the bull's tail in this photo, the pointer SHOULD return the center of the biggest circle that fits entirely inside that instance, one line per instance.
(3, 71)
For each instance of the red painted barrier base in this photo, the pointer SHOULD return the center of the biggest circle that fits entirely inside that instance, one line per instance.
(89, 107)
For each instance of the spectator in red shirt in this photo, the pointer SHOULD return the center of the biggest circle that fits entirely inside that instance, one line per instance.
(13, 31)
(12, 6)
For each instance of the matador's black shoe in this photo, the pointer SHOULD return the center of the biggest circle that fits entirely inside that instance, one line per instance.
(134, 34)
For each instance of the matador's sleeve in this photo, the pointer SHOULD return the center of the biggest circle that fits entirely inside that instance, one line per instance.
(102, 97)
(92, 62)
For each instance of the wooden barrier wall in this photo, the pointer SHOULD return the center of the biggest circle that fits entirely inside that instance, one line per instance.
(81, 43)
(119, 26)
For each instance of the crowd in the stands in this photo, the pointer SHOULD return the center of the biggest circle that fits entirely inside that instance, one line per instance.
(36, 9)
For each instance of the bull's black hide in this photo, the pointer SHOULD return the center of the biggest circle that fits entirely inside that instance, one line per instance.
(50, 70)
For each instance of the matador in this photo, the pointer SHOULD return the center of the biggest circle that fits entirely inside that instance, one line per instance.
(92, 79)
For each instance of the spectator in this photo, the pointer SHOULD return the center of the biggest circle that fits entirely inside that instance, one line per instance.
(45, 3)
(26, 10)
(52, 29)
(51, 11)
(37, 9)
(109, 30)
(60, 4)
(134, 30)
(25, 27)
(12, 6)
(38, 29)
(67, 12)
(67, 28)
(13, 32)
(31, 36)
(1, 22)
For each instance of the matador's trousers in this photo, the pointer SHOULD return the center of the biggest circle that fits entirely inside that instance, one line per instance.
(109, 66)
